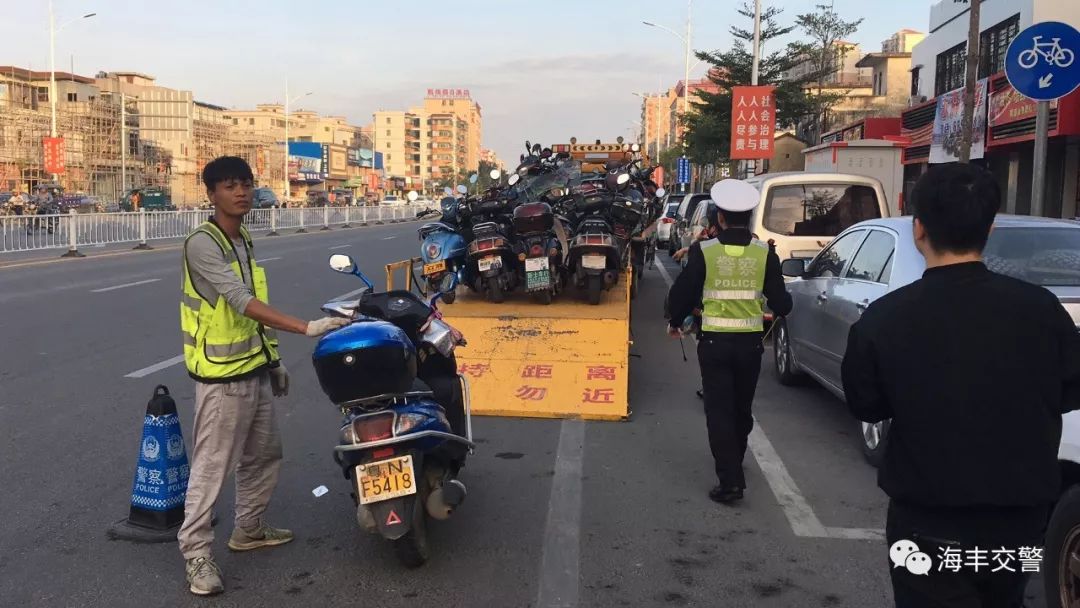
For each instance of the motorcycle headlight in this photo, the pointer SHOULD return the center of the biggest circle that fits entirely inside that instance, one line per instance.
(407, 422)
(433, 250)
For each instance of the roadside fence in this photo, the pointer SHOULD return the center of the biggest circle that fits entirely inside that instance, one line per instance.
(75, 230)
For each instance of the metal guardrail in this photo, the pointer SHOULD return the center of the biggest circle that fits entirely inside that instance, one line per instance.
(74, 230)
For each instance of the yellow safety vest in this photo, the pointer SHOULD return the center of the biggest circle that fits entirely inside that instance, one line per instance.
(221, 344)
(734, 281)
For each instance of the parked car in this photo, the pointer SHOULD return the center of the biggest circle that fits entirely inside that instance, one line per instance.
(264, 198)
(681, 231)
(801, 212)
(391, 199)
(875, 257)
(665, 228)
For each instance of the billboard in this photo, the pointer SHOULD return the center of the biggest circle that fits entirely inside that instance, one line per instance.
(361, 157)
(949, 122)
(448, 94)
(753, 121)
(306, 161)
(54, 154)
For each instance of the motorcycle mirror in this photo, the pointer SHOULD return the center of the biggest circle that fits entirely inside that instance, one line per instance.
(462, 189)
(495, 174)
(473, 178)
(515, 178)
(536, 149)
(528, 146)
(448, 192)
(412, 196)
(623, 179)
(340, 262)
(660, 192)
(635, 148)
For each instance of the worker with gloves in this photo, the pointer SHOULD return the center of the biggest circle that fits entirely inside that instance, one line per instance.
(230, 349)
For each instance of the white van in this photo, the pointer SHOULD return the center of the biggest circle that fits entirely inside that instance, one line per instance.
(801, 212)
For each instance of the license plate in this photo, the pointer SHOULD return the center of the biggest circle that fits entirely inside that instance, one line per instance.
(434, 267)
(540, 279)
(536, 264)
(386, 479)
(486, 264)
(594, 262)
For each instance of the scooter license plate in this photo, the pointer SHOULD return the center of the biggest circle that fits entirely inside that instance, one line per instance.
(594, 262)
(434, 267)
(385, 479)
(486, 264)
(536, 264)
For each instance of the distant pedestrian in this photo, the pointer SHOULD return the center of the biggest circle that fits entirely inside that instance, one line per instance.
(18, 203)
(230, 349)
(975, 370)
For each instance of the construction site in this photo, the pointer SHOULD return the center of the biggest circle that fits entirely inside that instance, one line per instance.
(120, 132)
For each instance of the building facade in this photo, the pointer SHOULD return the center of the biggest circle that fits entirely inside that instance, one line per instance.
(1005, 133)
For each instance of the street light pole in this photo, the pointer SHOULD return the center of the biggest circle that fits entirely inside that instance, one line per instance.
(286, 162)
(52, 66)
(757, 42)
(686, 57)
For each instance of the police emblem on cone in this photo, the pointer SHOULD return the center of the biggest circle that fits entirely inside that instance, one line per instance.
(161, 476)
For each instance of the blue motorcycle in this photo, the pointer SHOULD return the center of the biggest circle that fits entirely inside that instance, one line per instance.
(444, 252)
(407, 427)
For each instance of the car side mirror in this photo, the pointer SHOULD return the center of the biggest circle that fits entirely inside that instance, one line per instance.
(793, 267)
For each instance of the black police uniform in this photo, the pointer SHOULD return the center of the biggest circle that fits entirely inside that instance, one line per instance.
(730, 362)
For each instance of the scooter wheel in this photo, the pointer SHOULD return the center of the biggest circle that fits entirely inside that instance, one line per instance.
(543, 297)
(495, 292)
(595, 287)
(449, 298)
(412, 549)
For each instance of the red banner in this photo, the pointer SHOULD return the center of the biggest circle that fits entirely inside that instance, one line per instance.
(1008, 106)
(753, 122)
(54, 154)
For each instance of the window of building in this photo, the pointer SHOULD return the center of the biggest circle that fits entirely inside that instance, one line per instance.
(43, 94)
(251, 121)
(950, 69)
(387, 120)
(327, 129)
(993, 43)
(73, 97)
(387, 156)
(915, 71)
(388, 132)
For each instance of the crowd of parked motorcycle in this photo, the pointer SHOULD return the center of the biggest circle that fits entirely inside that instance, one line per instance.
(545, 227)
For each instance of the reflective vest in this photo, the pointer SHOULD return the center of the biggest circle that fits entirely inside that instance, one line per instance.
(734, 279)
(220, 343)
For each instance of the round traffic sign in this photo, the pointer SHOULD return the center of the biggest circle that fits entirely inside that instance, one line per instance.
(1042, 63)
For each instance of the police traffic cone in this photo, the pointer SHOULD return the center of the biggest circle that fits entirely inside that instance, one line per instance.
(161, 477)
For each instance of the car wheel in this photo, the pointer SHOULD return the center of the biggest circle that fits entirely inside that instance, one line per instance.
(1061, 562)
(875, 437)
(786, 370)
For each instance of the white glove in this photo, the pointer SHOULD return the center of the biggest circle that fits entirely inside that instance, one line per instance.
(319, 327)
(279, 380)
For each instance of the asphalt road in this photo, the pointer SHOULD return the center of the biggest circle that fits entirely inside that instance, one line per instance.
(630, 496)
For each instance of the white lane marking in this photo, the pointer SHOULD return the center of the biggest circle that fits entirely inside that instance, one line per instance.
(389, 238)
(561, 558)
(266, 260)
(146, 371)
(799, 513)
(339, 247)
(114, 287)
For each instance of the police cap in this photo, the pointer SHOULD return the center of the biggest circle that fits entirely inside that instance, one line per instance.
(734, 195)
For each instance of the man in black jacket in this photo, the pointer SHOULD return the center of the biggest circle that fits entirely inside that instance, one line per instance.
(730, 277)
(975, 370)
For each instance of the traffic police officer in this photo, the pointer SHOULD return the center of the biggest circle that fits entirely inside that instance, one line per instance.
(729, 277)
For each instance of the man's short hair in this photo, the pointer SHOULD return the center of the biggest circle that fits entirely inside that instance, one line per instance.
(224, 168)
(956, 203)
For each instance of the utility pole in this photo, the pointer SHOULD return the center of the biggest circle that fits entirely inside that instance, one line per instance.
(971, 77)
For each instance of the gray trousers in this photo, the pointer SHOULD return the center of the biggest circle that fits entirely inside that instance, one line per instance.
(234, 429)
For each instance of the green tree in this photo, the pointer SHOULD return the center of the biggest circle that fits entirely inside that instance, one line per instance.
(825, 52)
(708, 136)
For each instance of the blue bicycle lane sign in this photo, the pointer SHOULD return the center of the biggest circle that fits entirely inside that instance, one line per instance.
(1041, 62)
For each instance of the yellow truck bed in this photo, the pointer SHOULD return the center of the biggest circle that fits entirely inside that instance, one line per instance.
(568, 359)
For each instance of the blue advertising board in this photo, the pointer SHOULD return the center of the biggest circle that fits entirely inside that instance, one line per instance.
(684, 170)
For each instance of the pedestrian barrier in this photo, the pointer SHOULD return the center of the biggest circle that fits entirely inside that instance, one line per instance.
(161, 477)
(74, 230)
(524, 359)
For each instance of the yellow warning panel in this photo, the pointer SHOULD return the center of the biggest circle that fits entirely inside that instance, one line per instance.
(564, 360)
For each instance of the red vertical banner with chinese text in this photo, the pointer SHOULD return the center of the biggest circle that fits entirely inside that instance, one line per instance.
(54, 154)
(753, 122)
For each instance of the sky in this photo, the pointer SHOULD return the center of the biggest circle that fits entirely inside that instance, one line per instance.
(543, 71)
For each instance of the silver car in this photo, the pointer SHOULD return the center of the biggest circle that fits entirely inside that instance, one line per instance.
(872, 258)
